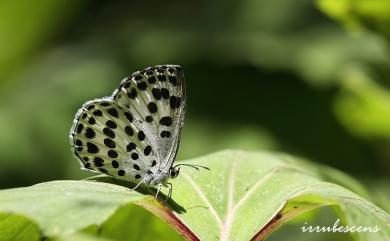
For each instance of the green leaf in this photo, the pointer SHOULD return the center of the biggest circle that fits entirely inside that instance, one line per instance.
(81, 237)
(64, 207)
(363, 105)
(357, 13)
(17, 228)
(244, 196)
(130, 222)
(250, 194)
(17, 45)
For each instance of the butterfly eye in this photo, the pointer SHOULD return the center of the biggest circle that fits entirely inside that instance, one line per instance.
(174, 172)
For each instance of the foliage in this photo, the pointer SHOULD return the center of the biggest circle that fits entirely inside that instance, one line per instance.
(245, 196)
(355, 14)
(303, 77)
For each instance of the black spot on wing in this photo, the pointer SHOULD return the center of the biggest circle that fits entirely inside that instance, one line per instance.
(129, 116)
(89, 133)
(108, 132)
(78, 143)
(152, 107)
(98, 113)
(149, 71)
(174, 102)
(113, 112)
(166, 121)
(138, 77)
(92, 148)
(165, 93)
(112, 154)
(142, 85)
(162, 78)
(115, 164)
(105, 104)
(147, 150)
(152, 80)
(129, 131)
(99, 162)
(173, 80)
(156, 93)
(109, 143)
(149, 119)
(132, 94)
(91, 121)
(165, 134)
(80, 128)
(141, 135)
(131, 146)
(111, 124)
(134, 156)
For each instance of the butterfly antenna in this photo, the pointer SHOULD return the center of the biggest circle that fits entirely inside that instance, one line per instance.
(197, 167)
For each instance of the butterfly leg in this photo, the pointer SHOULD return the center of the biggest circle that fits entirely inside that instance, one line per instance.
(132, 189)
(170, 187)
(158, 189)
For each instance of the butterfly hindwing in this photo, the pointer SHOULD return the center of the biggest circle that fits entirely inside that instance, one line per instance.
(105, 140)
(136, 131)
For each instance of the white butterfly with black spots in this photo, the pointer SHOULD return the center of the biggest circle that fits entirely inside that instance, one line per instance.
(134, 134)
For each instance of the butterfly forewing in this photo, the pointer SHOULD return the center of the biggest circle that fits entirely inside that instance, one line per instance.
(157, 96)
(136, 131)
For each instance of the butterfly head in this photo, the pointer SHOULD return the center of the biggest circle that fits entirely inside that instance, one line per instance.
(174, 172)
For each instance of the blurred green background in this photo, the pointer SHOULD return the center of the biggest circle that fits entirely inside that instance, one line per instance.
(311, 78)
(308, 78)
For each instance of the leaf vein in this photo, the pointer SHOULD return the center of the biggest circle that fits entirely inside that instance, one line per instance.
(204, 198)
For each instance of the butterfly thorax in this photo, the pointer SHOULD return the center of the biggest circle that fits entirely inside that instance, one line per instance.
(156, 178)
(161, 177)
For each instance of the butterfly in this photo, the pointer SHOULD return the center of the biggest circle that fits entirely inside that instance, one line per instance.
(134, 134)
